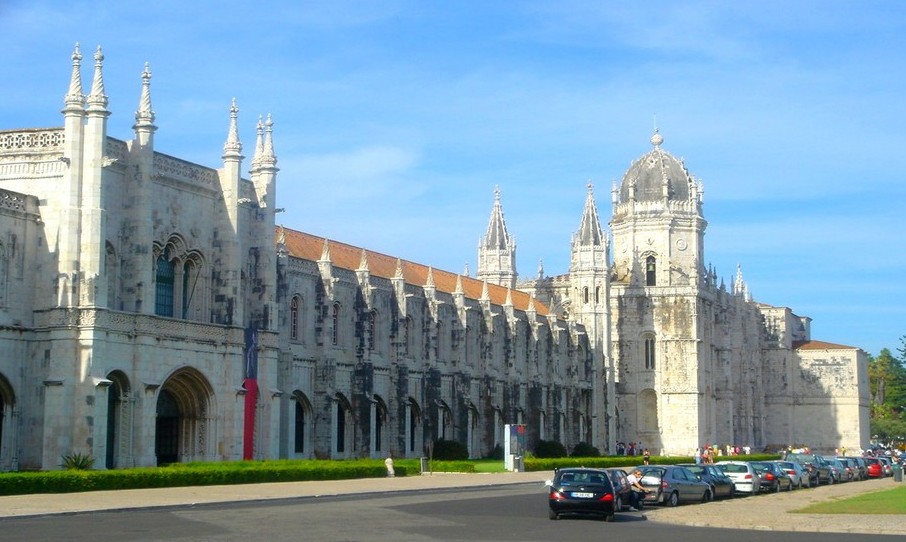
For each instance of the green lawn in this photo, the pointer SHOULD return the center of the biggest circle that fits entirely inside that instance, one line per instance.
(892, 501)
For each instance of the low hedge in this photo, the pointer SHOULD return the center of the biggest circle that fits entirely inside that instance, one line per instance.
(194, 474)
(258, 472)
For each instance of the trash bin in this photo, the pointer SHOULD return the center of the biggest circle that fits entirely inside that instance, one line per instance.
(518, 464)
(897, 473)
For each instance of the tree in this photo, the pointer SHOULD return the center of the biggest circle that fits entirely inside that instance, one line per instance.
(887, 382)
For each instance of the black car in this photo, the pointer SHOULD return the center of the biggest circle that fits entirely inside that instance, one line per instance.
(721, 484)
(773, 478)
(818, 470)
(581, 491)
(622, 489)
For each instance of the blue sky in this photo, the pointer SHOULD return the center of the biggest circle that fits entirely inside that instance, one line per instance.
(395, 120)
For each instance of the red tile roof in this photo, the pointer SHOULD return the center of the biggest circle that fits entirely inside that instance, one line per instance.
(310, 247)
(820, 345)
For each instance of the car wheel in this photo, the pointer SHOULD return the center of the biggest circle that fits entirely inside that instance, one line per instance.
(618, 504)
(706, 497)
(777, 487)
(553, 515)
(673, 500)
(608, 517)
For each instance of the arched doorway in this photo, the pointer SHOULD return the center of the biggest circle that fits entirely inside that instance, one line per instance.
(183, 428)
(8, 445)
(119, 421)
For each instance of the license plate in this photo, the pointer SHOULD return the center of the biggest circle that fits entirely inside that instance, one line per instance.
(582, 495)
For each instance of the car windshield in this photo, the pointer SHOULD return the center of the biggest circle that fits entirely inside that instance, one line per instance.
(733, 467)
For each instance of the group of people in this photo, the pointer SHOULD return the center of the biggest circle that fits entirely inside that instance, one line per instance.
(706, 454)
(633, 448)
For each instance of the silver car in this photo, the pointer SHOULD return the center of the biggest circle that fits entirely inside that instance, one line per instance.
(797, 474)
(743, 475)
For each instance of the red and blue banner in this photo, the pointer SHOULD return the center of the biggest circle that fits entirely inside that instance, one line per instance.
(250, 383)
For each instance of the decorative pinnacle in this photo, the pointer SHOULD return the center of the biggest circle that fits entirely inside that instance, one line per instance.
(233, 146)
(75, 83)
(145, 115)
(657, 139)
(97, 100)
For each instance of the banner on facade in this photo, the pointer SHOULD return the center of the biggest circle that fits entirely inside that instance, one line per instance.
(250, 383)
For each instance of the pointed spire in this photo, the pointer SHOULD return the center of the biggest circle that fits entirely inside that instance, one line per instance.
(465, 271)
(531, 305)
(509, 298)
(145, 115)
(268, 157)
(739, 284)
(75, 98)
(485, 294)
(398, 274)
(430, 280)
(590, 233)
(259, 141)
(540, 268)
(497, 237)
(97, 100)
(459, 289)
(325, 251)
(233, 147)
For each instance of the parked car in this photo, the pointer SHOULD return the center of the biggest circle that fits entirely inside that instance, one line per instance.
(672, 484)
(721, 484)
(818, 469)
(886, 465)
(622, 489)
(873, 467)
(773, 478)
(852, 470)
(838, 469)
(797, 474)
(581, 491)
(744, 477)
(857, 464)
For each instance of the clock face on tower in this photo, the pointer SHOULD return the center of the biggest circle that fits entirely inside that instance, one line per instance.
(681, 244)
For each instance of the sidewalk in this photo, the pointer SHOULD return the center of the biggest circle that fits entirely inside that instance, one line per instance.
(63, 503)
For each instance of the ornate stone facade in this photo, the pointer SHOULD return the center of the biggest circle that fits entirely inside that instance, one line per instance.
(151, 311)
(148, 314)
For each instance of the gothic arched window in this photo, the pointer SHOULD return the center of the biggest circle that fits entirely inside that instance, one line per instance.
(649, 351)
(372, 329)
(650, 271)
(335, 332)
(294, 306)
(164, 279)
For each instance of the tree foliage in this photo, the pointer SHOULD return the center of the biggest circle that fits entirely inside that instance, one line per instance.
(887, 383)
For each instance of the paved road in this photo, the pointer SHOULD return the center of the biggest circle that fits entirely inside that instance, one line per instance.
(474, 514)
(766, 512)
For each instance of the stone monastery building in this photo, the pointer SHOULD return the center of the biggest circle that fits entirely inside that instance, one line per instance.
(152, 311)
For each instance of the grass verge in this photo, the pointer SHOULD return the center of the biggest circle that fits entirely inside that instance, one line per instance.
(892, 501)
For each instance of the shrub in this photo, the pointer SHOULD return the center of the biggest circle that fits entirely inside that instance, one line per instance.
(550, 448)
(584, 449)
(77, 461)
(450, 450)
